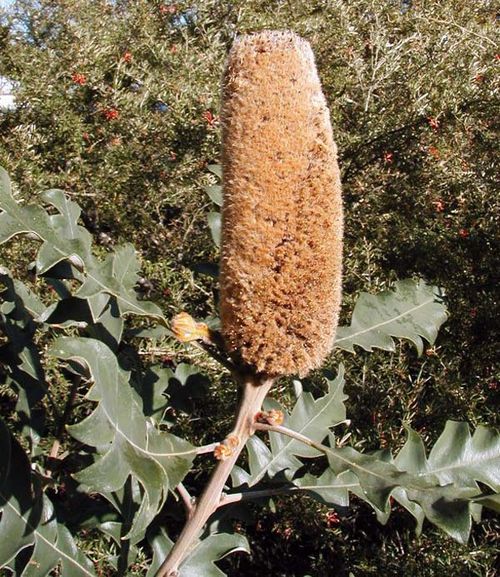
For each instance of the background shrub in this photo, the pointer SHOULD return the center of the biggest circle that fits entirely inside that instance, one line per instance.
(117, 103)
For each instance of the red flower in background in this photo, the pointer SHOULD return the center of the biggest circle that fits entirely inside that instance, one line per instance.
(110, 113)
(78, 78)
(433, 151)
(332, 519)
(168, 9)
(433, 122)
(463, 233)
(127, 57)
(210, 118)
(388, 157)
(438, 205)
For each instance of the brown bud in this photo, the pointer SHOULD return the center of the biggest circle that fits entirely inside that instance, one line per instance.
(186, 329)
(282, 213)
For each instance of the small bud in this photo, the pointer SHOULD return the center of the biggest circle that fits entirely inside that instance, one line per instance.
(272, 417)
(232, 441)
(186, 329)
(222, 452)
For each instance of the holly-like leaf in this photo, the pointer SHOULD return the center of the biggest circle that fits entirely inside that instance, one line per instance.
(33, 542)
(201, 560)
(442, 488)
(126, 441)
(60, 234)
(117, 276)
(411, 311)
(329, 488)
(310, 417)
(65, 242)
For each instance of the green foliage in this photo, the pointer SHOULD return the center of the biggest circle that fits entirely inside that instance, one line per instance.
(201, 560)
(410, 311)
(412, 88)
(34, 542)
(126, 442)
(310, 417)
(134, 464)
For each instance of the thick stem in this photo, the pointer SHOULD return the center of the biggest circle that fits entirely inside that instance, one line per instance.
(254, 391)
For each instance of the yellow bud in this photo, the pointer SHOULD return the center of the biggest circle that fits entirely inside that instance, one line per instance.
(222, 452)
(274, 417)
(186, 329)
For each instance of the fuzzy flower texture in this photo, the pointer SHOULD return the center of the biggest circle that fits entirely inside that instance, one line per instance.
(282, 214)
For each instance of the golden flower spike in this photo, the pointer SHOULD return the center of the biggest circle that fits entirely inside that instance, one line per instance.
(281, 249)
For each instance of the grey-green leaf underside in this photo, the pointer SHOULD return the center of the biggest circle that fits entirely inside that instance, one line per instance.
(201, 560)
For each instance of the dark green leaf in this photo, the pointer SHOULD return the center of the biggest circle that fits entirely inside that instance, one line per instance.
(127, 442)
(29, 521)
(411, 311)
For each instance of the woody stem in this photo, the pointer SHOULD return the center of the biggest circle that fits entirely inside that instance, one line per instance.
(254, 391)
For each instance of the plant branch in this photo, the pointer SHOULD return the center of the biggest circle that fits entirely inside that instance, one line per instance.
(254, 391)
(206, 449)
(291, 433)
(228, 499)
(186, 499)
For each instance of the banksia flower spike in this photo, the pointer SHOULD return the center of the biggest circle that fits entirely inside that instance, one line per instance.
(282, 212)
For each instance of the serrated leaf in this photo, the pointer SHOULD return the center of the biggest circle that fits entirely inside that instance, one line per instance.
(116, 276)
(411, 311)
(215, 225)
(65, 242)
(490, 501)
(61, 236)
(29, 521)
(310, 417)
(201, 560)
(127, 442)
(329, 488)
(442, 488)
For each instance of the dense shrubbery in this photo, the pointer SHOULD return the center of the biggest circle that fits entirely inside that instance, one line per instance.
(117, 104)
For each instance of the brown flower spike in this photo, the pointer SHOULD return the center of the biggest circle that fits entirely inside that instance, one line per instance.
(282, 215)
